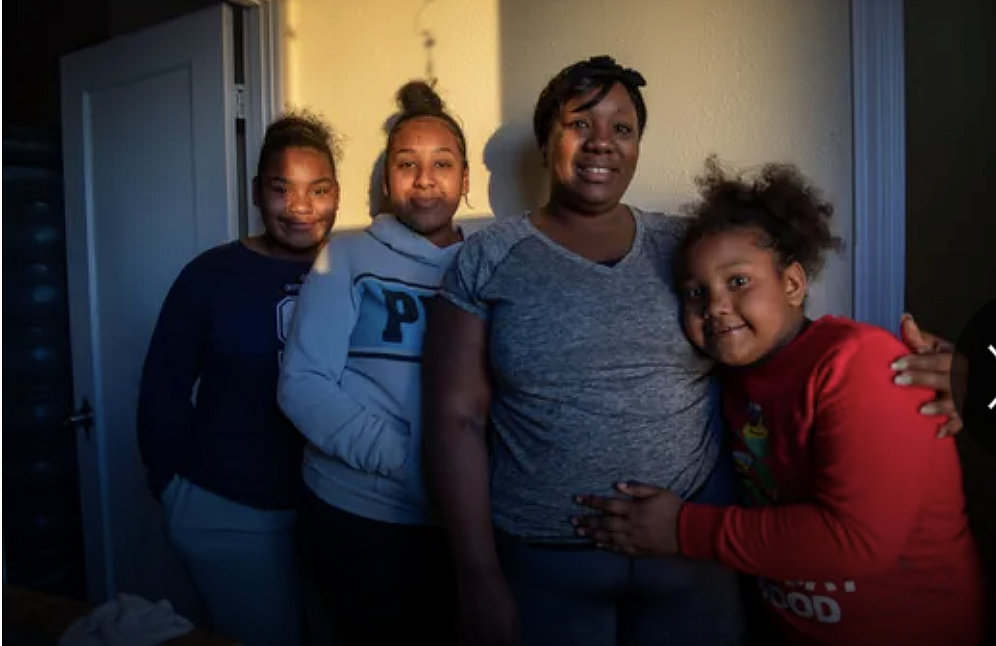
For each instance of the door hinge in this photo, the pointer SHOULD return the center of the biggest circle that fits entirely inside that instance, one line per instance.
(82, 419)
(240, 101)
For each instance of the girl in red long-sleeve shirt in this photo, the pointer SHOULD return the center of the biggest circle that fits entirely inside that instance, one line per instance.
(854, 520)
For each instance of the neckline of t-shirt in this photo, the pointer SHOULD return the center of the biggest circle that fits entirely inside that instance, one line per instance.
(286, 262)
(620, 263)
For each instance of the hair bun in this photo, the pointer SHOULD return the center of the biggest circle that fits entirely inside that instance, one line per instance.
(418, 97)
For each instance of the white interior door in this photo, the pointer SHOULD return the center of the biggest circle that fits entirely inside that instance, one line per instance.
(149, 160)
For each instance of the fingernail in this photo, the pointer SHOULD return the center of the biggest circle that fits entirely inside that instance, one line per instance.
(943, 433)
(579, 499)
(582, 532)
(903, 380)
(929, 409)
(574, 521)
(901, 364)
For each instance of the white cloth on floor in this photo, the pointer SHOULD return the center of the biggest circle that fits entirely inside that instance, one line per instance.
(128, 620)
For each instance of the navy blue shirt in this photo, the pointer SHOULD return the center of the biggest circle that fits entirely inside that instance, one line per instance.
(208, 402)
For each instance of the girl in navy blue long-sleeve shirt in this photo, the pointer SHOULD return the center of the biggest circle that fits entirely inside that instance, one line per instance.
(220, 455)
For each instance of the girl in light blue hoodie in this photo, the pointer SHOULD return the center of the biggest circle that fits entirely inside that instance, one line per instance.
(351, 383)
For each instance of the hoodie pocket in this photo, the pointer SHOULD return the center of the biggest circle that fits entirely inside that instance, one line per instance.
(408, 476)
(413, 475)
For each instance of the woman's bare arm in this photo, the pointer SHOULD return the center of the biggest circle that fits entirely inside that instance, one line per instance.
(457, 397)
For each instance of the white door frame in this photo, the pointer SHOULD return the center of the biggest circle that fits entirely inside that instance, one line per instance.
(879, 104)
(264, 98)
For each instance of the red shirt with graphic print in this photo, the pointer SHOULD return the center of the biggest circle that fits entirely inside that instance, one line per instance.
(856, 521)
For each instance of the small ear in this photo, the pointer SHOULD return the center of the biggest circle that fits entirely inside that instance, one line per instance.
(465, 185)
(255, 192)
(796, 284)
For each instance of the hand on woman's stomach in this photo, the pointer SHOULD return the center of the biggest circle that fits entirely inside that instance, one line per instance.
(537, 470)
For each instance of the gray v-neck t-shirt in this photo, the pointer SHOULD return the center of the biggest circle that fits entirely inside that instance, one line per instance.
(594, 381)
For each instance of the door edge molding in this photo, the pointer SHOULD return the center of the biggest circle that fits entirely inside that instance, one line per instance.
(879, 113)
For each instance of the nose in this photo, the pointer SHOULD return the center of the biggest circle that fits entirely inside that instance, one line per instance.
(718, 304)
(299, 203)
(599, 138)
(424, 177)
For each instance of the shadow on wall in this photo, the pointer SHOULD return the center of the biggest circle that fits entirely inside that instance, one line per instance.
(518, 176)
(376, 197)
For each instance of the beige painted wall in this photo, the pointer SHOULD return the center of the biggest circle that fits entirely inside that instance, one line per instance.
(347, 59)
(752, 80)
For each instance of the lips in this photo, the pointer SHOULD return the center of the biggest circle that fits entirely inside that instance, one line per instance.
(425, 203)
(725, 330)
(297, 225)
(595, 173)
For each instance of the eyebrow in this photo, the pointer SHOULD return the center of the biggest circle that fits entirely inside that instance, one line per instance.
(590, 109)
(284, 180)
(441, 149)
(734, 263)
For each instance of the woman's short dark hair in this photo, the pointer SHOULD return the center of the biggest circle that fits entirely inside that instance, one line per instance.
(599, 73)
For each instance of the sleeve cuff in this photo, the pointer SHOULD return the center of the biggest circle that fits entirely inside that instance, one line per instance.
(470, 308)
(396, 454)
(698, 526)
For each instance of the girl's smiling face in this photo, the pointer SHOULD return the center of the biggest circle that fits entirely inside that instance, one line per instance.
(298, 197)
(738, 303)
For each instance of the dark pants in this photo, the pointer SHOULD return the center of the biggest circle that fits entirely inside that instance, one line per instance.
(381, 583)
(580, 596)
(760, 632)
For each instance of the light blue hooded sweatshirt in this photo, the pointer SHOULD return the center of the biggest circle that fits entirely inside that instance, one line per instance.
(350, 378)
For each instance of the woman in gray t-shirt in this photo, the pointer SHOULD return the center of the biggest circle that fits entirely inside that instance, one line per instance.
(557, 347)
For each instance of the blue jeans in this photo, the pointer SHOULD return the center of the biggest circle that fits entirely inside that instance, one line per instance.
(587, 597)
(243, 562)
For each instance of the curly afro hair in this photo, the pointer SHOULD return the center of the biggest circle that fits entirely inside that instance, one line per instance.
(776, 200)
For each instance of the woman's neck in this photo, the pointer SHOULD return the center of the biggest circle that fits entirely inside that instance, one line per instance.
(598, 237)
(589, 219)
